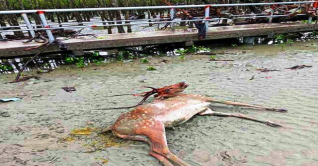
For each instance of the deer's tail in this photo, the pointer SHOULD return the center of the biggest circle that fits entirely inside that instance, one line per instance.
(105, 130)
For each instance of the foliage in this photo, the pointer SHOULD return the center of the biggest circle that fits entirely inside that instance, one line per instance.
(234, 45)
(304, 21)
(144, 60)
(280, 38)
(282, 45)
(289, 42)
(182, 57)
(181, 51)
(69, 60)
(212, 57)
(151, 68)
(120, 56)
(314, 34)
(5, 67)
(204, 49)
(80, 62)
(193, 49)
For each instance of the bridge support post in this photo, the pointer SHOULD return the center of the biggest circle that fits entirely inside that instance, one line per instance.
(45, 25)
(28, 24)
(173, 24)
(207, 16)
(309, 19)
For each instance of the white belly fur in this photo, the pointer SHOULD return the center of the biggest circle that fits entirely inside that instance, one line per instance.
(183, 113)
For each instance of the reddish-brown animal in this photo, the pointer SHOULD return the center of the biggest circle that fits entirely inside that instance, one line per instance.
(148, 122)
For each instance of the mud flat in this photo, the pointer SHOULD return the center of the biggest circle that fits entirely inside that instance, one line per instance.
(37, 130)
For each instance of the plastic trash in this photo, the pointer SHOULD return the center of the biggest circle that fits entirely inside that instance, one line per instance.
(9, 99)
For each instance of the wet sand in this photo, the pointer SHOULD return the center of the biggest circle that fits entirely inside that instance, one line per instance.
(37, 130)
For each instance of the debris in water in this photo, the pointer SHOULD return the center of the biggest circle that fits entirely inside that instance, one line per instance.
(266, 70)
(69, 89)
(44, 71)
(4, 114)
(214, 60)
(252, 78)
(83, 131)
(164, 61)
(298, 67)
(9, 99)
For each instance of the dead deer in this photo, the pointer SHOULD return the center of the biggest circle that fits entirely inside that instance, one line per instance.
(147, 122)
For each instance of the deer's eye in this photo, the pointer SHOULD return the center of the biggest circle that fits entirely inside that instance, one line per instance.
(167, 90)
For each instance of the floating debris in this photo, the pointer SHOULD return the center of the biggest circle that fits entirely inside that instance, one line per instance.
(266, 70)
(83, 131)
(69, 89)
(9, 99)
(298, 67)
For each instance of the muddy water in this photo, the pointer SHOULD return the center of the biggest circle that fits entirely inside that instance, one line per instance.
(37, 131)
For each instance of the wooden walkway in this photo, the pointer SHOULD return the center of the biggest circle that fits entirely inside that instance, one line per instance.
(15, 48)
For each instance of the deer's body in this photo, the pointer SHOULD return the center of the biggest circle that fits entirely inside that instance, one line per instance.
(147, 122)
(171, 112)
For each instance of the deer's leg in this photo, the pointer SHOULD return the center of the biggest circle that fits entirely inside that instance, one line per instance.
(155, 131)
(210, 112)
(245, 105)
(159, 157)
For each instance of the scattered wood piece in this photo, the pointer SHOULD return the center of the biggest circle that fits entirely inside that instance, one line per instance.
(298, 67)
(24, 78)
(221, 60)
(266, 70)
(164, 61)
(206, 53)
(69, 89)
(252, 78)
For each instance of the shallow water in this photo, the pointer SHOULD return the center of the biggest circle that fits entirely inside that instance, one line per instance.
(46, 114)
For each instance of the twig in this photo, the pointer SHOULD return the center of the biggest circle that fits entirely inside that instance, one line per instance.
(17, 78)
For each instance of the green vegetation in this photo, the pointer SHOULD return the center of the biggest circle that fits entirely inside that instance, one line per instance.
(305, 21)
(5, 67)
(193, 50)
(204, 49)
(290, 42)
(280, 38)
(80, 62)
(182, 57)
(151, 68)
(282, 45)
(314, 34)
(212, 57)
(92, 57)
(144, 60)
(182, 51)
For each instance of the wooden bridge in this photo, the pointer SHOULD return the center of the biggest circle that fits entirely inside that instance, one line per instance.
(16, 48)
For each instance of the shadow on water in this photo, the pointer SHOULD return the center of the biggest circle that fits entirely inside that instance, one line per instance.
(48, 62)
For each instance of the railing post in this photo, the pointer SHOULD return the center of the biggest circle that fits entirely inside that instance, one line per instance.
(28, 24)
(45, 25)
(173, 27)
(207, 16)
(271, 16)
